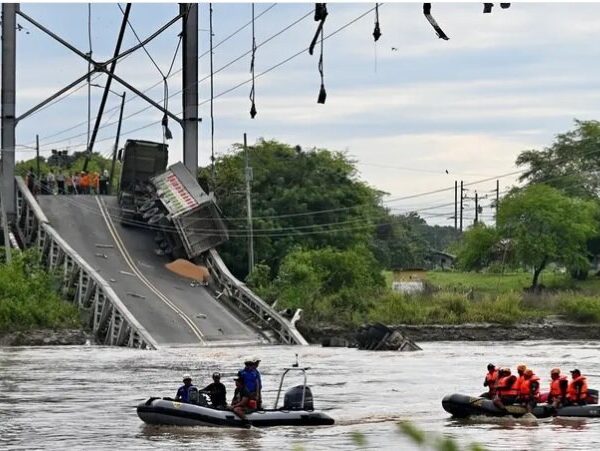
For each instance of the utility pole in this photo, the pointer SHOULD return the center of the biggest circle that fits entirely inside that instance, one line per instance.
(114, 155)
(497, 199)
(37, 158)
(248, 171)
(190, 86)
(461, 205)
(8, 119)
(476, 208)
(455, 204)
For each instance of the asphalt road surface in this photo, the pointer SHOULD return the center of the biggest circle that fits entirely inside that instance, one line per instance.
(172, 310)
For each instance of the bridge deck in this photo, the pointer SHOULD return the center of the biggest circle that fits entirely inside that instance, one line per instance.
(171, 310)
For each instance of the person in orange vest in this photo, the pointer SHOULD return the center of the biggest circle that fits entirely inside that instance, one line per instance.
(491, 378)
(577, 390)
(529, 391)
(84, 183)
(94, 179)
(521, 371)
(506, 393)
(558, 388)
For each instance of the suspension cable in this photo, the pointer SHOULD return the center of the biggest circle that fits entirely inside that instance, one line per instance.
(212, 95)
(252, 89)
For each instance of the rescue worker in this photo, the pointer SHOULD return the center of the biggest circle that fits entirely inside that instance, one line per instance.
(529, 391)
(250, 377)
(259, 383)
(558, 388)
(183, 392)
(84, 183)
(506, 393)
(216, 391)
(491, 378)
(577, 390)
(94, 180)
(240, 400)
(521, 371)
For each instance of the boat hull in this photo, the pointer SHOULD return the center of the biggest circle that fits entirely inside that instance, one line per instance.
(462, 406)
(168, 412)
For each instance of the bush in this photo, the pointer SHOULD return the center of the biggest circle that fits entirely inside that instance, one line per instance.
(581, 309)
(28, 297)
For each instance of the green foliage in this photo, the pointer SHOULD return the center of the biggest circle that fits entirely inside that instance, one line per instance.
(571, 164)
(546, 226)
(329, 284)
(477, 249)
(300, 198)
(581, 309)
(28, 297)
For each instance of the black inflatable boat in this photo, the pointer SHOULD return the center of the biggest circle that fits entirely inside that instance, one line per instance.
(297, 410)
(462, 406)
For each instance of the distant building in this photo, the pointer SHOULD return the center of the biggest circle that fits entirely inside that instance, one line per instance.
(408, 280)
(440, 259)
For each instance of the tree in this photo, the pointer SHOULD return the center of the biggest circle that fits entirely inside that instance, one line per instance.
(300, 198)
(571, 164)
(546, 226)
(477, 247)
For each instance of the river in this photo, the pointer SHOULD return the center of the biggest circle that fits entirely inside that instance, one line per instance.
(84, 397)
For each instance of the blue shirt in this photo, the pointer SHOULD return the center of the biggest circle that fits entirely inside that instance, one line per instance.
(251, 379)
(183, 394)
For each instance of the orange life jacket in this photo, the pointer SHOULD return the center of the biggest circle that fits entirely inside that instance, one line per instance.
(491, 379)
(84, 181)
(519, 381)
(506, 386)
(572, 390)
(555, 390)
(525, 388)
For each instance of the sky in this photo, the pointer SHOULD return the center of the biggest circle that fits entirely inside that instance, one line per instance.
(415, 112)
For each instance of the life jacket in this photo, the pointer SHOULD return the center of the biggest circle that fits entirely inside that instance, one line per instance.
(491, 379)
(85, 181)
(525, 388)
(506, 386)
(572, 390)
(555, 390)
(518, 382)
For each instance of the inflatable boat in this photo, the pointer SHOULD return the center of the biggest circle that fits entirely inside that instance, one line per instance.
(462, 406)
(297, 410)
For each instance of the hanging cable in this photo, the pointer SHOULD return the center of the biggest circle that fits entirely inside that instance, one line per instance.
(212, 96)
(320, 16)
(322, 92)
(427, 11)
(89, 80)
(252, 90)
(377, 30)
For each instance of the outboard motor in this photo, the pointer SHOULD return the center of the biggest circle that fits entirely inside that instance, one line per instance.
(293, 399)
(193, 395)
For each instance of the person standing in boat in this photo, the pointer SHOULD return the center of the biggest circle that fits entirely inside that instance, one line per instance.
(250, 378)
(490, 381)
(241, 398)
(216, 391)
(577, 391)
(558, 388)
(259, 384)
(183, 392)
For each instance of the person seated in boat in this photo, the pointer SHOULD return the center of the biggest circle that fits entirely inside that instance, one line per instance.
(529, 391)
(506, 393)
(216, 391)
(521, 375)
(491, 378)
(241, 398)
(577, 390)
(183, 392)
(558, 388)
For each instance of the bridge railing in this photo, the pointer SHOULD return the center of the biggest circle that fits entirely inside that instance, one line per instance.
(109, 319)
(246, 301)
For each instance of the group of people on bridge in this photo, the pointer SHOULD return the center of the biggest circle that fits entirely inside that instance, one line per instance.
(504, 388)
(59, 182)
(247, 395)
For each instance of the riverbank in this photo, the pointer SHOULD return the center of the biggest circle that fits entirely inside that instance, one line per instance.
(45, 337)
(554, 329)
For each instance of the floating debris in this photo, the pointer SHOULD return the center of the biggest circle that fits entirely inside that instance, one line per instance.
(113, 280)
(104, 246)
(201, 316)
(135, 295)
(127, 273)
(101, 255)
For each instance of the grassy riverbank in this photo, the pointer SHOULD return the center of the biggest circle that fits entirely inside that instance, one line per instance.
(29, 300)
(457, 298)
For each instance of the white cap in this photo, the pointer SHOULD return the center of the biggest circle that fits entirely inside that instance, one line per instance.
(187, 376)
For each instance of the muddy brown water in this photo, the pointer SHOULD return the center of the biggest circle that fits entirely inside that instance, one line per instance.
(84, 397)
